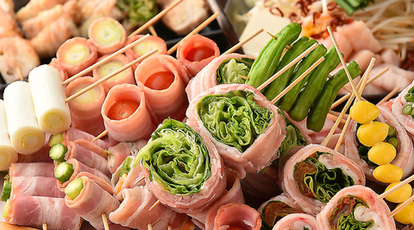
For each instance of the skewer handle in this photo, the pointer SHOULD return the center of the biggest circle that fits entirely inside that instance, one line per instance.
(105, 221)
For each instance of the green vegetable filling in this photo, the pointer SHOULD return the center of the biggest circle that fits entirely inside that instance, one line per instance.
(7, 187)
(126, 167)
(317, 181)
(177, 158)
(230, 71)
(138, 11)
(293, 136)
(343, 216)
(234, 118)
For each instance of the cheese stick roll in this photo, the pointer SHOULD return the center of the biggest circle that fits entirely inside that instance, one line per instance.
(25, 135)
(107, 35)
(49, 97)
(7, 154)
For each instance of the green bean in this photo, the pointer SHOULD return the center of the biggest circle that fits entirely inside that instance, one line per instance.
(287, 101)
(267, 61)
(314, 86)
(317, 115)
(280, 83)
(74, 188)
(63, 172)
(407, 109)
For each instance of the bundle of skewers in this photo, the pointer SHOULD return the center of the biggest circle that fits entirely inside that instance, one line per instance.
(179, 149)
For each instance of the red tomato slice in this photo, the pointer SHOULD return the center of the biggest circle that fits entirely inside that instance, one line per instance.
(160, 80)
(199, 54)
(122, 109)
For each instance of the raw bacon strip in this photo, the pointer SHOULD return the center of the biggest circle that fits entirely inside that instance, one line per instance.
(163, 80)
(49, 210)
(404, 158)
(73, 134)
(117, 62)
(298, 168)
(130, 180)
(375, 209)
(266, 143)
(107, 35)
(86, 156)
(195, 52)
(297, 221)
(127, 125)
(237, 215)
(40, 156)
(397, 106)
(92, 202)
(134, 211)
(55, 63)
(199, 177)
(150, 43)
(76, 54)
(207, 77)
(39, 169)
(36, 186)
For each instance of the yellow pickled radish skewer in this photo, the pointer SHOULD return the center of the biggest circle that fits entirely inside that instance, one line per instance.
(400, 195)
(372, 133)
(7, 154)
(388, 173)
(382, 153)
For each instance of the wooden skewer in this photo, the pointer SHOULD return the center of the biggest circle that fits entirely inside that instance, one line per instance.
(334, 118)
(196, 30)
(149, 226)
(335, 113)
(152, 31)
(155, 18)
(343, 63)
(238, 45)
(44, 226)
(395, 188)
(244, 77)
(155, 204)
(86, 89)
(303, 75)
(19, 73)
(139, 180)
(90, 68)
(389, 95)
(105, 221)
(104, 133)
(284, 69)
(401, 206)
(169, 228)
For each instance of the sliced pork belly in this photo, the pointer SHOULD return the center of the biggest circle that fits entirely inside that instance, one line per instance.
(34, 7)
(306, 180)
(92, 202)
(262, 185)
(362, 203)
(407, 121)
(39, 169)
(195, 52)
(36, 186)
(237, 215)
(72, 134)
(394, 77)
(42, 155)
(117, 155)
(33, 211)
(207, 77)
(135, 212)
(297, 221)
(243, 159)
(404, 158)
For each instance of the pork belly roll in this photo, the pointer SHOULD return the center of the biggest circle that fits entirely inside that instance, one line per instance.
(36, 186)
(150, 43)
(126, 176)
(163, 80)
(91, 202)
(316, 173)
(135, 211)
(117, 154)
(49, 210)
(72, 134)
(196, 51)
(240, 122)
(224, 69)
(126, 114)
(107, 35)
(276, 208)
(359, 153)
(76, 54)
(39, 169)
(237, 215)
(404, 100)
(182, 168)
(356, 206)
(297, 221)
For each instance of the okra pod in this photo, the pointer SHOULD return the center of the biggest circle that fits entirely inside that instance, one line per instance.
(318, 113)
(267, 61)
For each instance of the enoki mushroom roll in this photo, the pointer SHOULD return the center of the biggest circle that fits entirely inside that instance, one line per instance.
(397, 136)
(7, 154)
(107, 35)
(25, 134)
(240, 122)
(196, 51)
(297, 221)
(182, 168)
(314, 174)
(163, 80)
(356, 206)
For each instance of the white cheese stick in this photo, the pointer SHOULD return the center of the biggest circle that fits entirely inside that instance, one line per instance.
(48, 95)
(25, 135)
(7, 153)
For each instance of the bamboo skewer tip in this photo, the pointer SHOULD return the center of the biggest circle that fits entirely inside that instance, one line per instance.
(154, 205)
(104, 133)
(105, 221)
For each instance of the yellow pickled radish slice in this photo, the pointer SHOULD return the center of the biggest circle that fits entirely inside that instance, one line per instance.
(107, 33)
(364, 112)
(401, 195)
(382, 153)
(110, 67)
(371, 133)
(76, 54)
(388, 173)
(145, 47)
(405, 215)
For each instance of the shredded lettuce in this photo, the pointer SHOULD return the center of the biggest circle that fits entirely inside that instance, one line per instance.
(234, 118)
(138, 11)
(348, 221)
(229, 72)
(293, 136)
(126, 167)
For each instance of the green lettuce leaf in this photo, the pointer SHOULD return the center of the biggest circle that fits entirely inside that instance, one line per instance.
(293, 136)
(348, 222)
(229, 71)
(234, 118)
(177, 158)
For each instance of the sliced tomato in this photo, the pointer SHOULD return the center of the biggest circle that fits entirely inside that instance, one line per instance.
(160, 80)
(122, 109)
